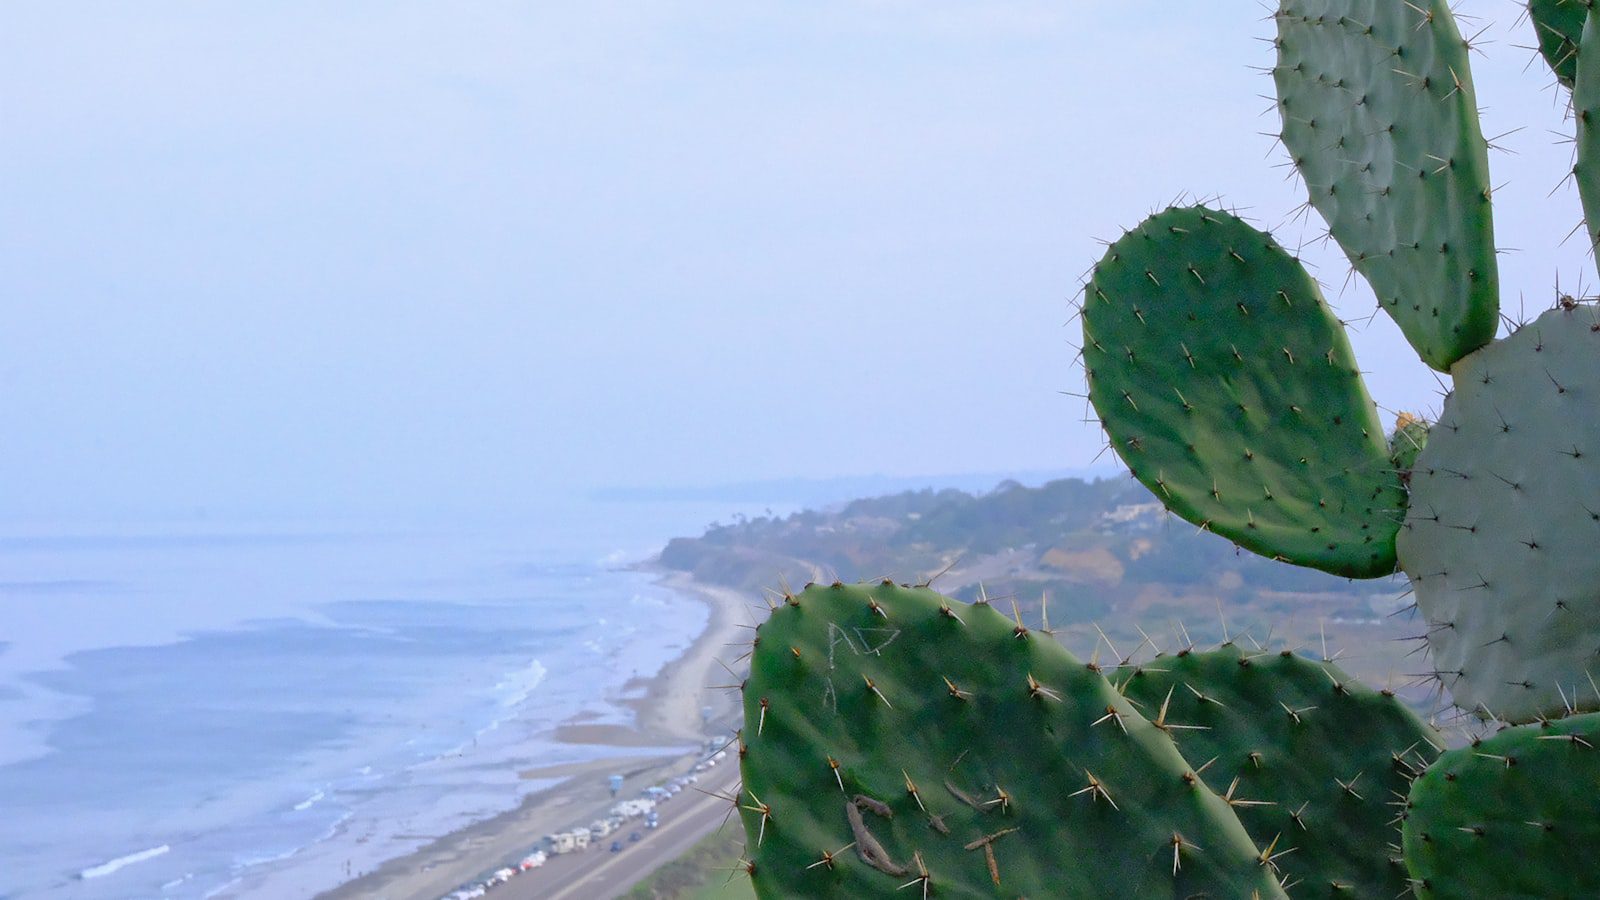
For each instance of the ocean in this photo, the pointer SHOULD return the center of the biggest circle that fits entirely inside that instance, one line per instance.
(263, 710)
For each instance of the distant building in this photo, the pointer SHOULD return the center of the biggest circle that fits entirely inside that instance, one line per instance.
(1132, 517)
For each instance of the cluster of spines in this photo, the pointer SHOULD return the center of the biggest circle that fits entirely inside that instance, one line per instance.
(1310, 759)
(1558, 25)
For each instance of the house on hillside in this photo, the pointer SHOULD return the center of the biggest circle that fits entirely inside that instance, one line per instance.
(1131, 518)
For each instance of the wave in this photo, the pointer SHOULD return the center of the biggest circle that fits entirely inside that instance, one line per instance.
(516, 688)
(120, 862)
(309, 802)
(250, 862)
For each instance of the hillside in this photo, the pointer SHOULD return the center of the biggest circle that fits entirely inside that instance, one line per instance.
(1085, 553)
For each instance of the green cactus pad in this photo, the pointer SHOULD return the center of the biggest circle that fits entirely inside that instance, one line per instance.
(1310, 760)
(1406, 442)
(1586, 110)
(1381, 119)
(1559, 26)
(1515, 817)
(1500, 540)
(890, 732)
(1229, 389)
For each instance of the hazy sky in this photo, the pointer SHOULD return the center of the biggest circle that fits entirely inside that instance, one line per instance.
(397, 255)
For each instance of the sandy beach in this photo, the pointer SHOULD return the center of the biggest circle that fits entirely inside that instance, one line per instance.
(667, 714)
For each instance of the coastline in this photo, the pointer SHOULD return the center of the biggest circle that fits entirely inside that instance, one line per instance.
(667, 714)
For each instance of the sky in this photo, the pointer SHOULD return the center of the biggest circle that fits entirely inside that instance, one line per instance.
(296, 256)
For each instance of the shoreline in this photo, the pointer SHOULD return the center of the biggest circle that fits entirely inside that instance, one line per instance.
(667, 714)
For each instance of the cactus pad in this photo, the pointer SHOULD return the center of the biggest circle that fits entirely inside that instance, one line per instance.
(1409, 437)
(1229, 388)
(1559, 26)
(1586, 111)
(1381, 119)
(1309, 759)
(1500, 538)
(1515, 816)
(894, 738)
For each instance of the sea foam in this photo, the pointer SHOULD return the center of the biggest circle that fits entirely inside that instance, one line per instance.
(121, 862)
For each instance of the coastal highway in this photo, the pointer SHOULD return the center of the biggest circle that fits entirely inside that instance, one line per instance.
(597, 874)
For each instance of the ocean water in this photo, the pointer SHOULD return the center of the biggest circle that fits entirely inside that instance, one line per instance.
(246, 710)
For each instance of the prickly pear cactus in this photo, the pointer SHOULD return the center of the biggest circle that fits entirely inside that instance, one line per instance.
(1409, 437)
(896, 739)
(1229, 388)
(1500, 540)
(1381, 118)
(1586, 113)
(1559, 26)
(1379, 114)
(1515, 816)
(1310, 760)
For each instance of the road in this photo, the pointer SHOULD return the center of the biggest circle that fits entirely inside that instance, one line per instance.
(596, 874)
